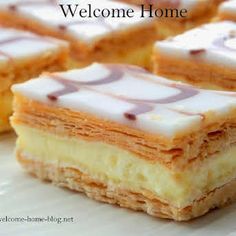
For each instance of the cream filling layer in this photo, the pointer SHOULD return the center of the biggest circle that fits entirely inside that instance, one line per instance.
(120, 168)
(140, 56)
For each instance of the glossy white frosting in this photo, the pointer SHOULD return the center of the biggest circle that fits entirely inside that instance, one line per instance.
(211, 43)
(15, 44)
(228, 7)
(169, 116)
(84, 29)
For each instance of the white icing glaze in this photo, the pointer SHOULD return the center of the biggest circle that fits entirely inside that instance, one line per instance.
(114, 99)
(228, 7)
(15, 44)
(213, 43)
(84, 29)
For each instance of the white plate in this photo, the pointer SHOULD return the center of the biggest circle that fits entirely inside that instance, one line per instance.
(22, 195)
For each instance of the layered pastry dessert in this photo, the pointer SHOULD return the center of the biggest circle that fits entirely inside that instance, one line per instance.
(125, 136)
(94, 34)
(227, 11)
(205, 56)
(171, 22)
(25, 55)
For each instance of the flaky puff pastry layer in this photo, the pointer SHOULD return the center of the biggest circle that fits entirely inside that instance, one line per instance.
(200, 74)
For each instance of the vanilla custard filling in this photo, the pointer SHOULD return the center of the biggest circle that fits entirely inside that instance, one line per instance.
(140, 57)
(120, 168)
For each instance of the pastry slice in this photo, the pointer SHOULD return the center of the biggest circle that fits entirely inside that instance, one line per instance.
(227, 10)
(25, 55)
(125, 136)
(111, 39)
(205, 56)
(198, 12)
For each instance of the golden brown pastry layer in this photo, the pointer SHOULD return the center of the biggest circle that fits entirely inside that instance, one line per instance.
(198, 73)
(226, 16)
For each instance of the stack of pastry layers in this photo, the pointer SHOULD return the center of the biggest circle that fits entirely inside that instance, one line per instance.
(121, 134)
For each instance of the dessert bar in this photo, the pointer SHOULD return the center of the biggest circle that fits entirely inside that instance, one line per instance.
(125, 136)
(205, 56)
(24, 55)
(111, 39)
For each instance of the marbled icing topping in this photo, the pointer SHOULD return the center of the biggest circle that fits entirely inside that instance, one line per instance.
(131, 96)
(15, 44)
(228, 7)
(48, 13)
(212, 43)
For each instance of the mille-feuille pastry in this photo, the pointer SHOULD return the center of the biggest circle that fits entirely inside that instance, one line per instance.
(198, 12)
(227, 11)
(25, 55)
(125, 136)
(112, 39)
(205, 56)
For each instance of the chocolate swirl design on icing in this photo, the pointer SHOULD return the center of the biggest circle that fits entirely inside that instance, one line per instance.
(116, 73)
(143, 106)
(195, 52)
(220, 43)
(68, 88)
(17, 38)
(73, 86)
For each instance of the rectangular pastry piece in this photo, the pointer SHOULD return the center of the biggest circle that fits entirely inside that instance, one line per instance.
(205, 56)
(198, 12)
(127, 137)
(126, 40)
(227, 11)
(24, 55)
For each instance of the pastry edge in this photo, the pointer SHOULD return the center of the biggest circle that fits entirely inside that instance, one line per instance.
(74, 179)
(223, 78)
